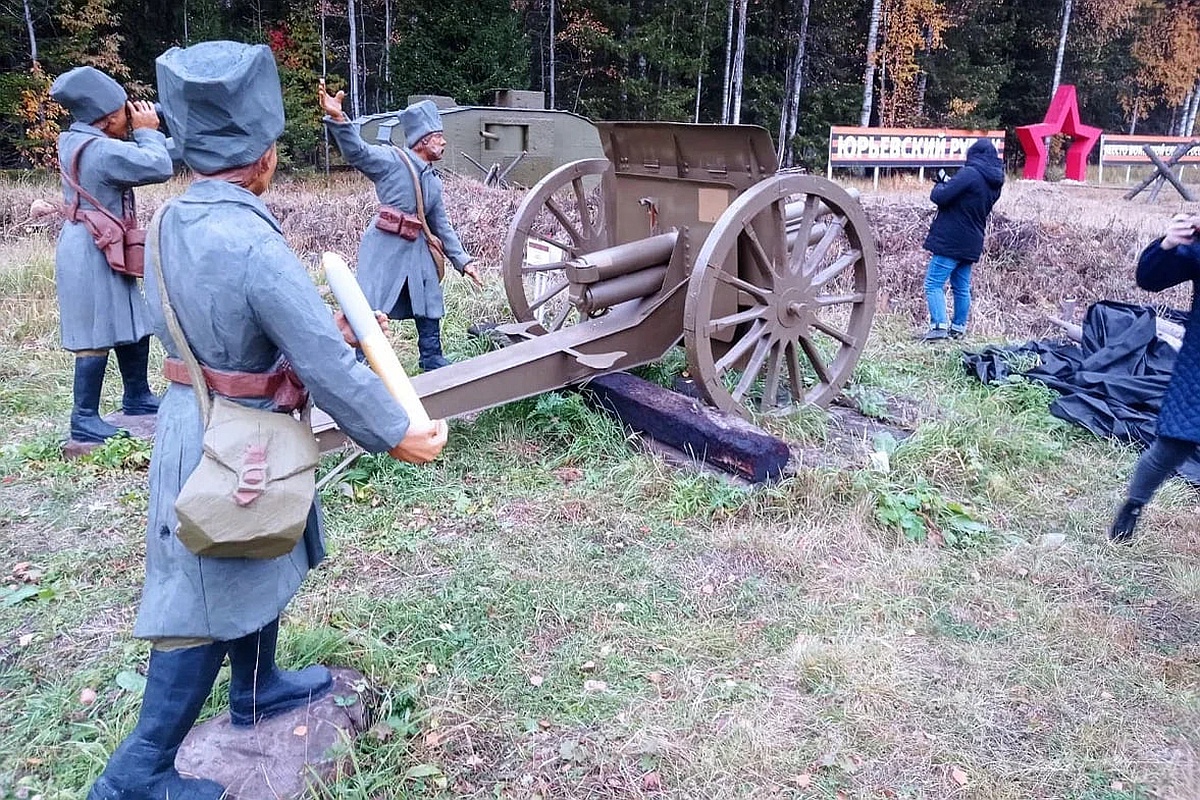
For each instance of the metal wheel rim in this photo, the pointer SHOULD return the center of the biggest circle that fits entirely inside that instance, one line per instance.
(580, 239)
(785, 320)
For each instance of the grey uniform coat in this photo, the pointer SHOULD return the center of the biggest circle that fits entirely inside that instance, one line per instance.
(99, 308)
(387, 262)
(243, 300)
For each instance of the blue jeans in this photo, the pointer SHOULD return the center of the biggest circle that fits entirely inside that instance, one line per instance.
(940, 270)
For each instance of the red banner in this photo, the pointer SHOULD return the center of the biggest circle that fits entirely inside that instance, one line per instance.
(1120, 151)
(904, 147)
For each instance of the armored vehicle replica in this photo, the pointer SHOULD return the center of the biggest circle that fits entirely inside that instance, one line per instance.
(514, 140)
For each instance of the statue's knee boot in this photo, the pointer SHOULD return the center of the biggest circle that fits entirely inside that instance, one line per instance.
(134, 361)
(258, 689)
(143, 766)
(429, 343)
(86, 423)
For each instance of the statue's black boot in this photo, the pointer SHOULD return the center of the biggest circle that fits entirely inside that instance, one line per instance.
(1125, 524)
(134, 361)
(143, 766)
(429, 343)
(86, 423)
(258, 689)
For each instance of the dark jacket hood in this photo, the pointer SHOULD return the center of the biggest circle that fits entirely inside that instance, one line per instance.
(983, 157)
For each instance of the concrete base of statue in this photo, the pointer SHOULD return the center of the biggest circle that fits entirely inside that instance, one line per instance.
(139, 427)
(281, 757)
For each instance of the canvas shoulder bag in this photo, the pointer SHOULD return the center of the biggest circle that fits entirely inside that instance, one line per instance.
(436, 248)
(251, 494)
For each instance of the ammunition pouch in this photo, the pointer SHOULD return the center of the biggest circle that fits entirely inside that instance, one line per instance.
(393, 220)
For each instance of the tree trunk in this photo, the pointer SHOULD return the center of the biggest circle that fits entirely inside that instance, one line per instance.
(739, 64)
(1062, 46)
(1137, 111)
(1186, 109)
(186, 40)
(701, 60)
(387, 54)
(353, 18)
(923, 76)
(33, 54)
(727, 80)
(552, 35)
(790, 118)
(864, 118)
(1191, 121)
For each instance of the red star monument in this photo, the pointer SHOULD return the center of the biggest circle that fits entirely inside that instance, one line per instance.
(1061, 117)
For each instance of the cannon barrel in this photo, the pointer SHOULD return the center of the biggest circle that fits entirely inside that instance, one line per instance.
(589, 298)
(613, 262)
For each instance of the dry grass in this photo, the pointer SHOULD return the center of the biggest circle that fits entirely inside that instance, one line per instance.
(781, 643)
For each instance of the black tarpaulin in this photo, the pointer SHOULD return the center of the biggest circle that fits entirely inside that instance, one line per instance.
(1111, 383)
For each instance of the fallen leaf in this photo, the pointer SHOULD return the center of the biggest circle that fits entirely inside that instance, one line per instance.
(25, 639)
(433, 739)
(544, 724)
(1118, 786)
(707, 588)
(87, 696)
(431, 669)
(474, 761)
(655, 677)
(651, 782)
(587, 666)
(804, 780)
(568, 475)
(422, 771)
(536, 680)
(959, 776)
(595, 686)
(300, 730)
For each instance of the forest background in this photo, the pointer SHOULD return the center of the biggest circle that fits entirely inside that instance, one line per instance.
(793, 66)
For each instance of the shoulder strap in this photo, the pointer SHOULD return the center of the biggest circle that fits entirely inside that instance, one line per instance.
(417, 188)
(199, 385)
(71, 176)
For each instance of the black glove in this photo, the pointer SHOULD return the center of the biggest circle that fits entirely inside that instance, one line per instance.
(940, 176)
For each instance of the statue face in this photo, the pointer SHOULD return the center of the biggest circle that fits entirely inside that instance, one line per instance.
(432, 147)
(116, 124)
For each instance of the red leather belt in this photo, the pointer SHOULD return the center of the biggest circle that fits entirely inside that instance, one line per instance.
(281, 385)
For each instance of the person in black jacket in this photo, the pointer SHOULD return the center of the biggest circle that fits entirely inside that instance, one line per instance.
(956, 236)
(1167, 262)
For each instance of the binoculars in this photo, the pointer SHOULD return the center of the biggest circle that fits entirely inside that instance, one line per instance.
(162, 119)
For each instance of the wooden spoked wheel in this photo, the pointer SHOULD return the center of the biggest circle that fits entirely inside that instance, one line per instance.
(562, 217)
(781, 297)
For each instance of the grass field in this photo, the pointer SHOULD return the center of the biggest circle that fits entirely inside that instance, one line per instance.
(549, 611)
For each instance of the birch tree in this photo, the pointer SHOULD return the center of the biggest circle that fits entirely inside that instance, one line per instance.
(727, 80)
(739, 65)
(355, 110)
(789, 119)
(864, 118)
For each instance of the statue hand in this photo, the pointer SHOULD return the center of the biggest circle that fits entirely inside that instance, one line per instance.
(331, 105)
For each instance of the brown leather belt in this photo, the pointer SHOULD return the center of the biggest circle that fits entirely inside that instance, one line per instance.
(281, 385)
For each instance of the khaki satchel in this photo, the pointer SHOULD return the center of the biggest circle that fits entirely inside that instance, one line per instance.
(251, 494)
(121, 240)
(436, 248)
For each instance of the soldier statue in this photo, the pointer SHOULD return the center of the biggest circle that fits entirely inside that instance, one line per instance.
(246, 305)
(396, 267)
(101, 309)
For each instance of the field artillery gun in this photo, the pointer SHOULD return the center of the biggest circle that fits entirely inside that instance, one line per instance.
(683, 233)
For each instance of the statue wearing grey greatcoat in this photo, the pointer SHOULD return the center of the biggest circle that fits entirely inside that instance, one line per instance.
(397, 274)
(99, 308)
(387, 262)
(244, 302)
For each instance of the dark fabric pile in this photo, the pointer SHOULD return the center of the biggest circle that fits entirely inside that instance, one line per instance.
(1112, 383)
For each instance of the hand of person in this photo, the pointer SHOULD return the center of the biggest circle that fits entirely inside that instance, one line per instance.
(142, 115)
(940, 176)
(331, 105)
(472, 272)
(343, 326)
(1181, 230)
(421, 445)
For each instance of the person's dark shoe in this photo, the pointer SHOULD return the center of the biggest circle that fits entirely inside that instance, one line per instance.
(134, 361)
(957, 333)
(935, 334)
(429, 344)
(143, 766)
(86, 423)
(258, 689)
(1125, 523)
